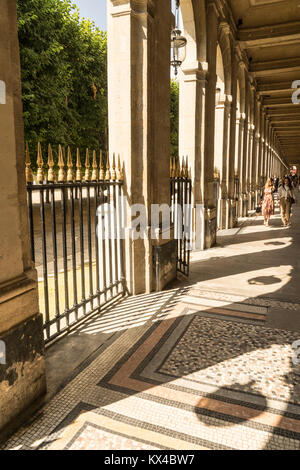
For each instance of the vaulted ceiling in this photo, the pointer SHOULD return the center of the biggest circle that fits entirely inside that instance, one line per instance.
(269, 32)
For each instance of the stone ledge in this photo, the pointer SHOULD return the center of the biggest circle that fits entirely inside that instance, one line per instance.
(18, 301)
(22, 377)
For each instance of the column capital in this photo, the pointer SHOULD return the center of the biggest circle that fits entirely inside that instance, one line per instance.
(195, 67)
(211, 6)
(242, 64)
(127, 7)
(224, 28)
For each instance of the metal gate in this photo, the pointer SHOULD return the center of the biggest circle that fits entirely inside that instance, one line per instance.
(181, 212)
(78, 270)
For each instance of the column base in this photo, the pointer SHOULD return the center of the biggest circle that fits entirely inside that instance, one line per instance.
(244, 204)
(164, 261)
(210, 227)
(251, 200)
(222, 213)
(22, 373)
(257, 198)
(232, 216)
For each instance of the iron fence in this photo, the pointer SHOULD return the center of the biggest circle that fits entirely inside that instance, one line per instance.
(76, 241)
(181, 212)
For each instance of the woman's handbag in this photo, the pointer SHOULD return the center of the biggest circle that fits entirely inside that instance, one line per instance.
(258, 209)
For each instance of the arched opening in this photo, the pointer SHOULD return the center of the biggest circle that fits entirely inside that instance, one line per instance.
(192, 98)
(193, 23)
(194, 27)
(238, 116)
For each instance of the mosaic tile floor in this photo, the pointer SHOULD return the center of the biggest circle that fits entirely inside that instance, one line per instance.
(189, 378)
(200, 367)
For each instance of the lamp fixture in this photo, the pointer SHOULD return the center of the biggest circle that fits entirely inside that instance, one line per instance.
(178, 42)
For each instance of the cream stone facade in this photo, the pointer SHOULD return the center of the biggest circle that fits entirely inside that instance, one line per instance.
(22, 378)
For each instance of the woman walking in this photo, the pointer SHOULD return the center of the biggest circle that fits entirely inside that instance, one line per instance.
(268, 202)
(286, 197)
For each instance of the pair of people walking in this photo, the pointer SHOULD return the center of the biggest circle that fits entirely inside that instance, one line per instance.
(286, 196)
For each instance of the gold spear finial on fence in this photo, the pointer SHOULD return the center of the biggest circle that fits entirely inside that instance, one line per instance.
(101, 166)
(107, 174)
(119, 170)
(78, 166)
(113, 173)
(50, 175)
(187, 167)
(173, 167)
(40, 164)
(183, 168)
(61, 165)
(102, 171)
(70, 174)
(28, 170)
(95, 167)
(87, 175)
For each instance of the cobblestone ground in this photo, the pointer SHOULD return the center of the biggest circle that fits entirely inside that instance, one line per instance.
(204, 366)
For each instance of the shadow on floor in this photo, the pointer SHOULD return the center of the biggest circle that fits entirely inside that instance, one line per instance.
(134, 312)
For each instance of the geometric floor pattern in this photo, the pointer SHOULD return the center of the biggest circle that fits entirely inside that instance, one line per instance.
(193, 377)
(205, 366)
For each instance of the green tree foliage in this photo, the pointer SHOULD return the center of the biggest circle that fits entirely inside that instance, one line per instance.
(174, 118)
(64, 75)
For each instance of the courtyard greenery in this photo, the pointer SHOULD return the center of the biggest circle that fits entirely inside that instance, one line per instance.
(64, 79)
(174, 118)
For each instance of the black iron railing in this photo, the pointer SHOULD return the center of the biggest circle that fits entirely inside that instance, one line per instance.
(76, 242)
(181, 212)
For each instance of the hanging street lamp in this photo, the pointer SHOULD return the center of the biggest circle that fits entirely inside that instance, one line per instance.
(178, 43)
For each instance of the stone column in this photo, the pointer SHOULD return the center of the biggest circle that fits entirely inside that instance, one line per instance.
(261, 144)
(269, 151)
(250, 168)
(266, 147)
(241, 130)
(139, 129)
(273, 152)
(221, 118)
(224, 177)
(191, 138)
(258, 153)
(245, 154)
(264, 150)
(22, 368)
(208, 161)
(253, 182)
